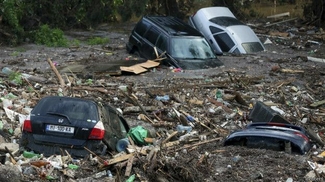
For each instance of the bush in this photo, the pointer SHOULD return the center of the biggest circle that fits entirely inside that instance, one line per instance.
(50, 37)
(97, 40)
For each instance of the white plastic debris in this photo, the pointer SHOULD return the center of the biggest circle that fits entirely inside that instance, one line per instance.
(278, 110)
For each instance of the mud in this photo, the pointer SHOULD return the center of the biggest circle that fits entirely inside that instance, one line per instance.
(256, 76)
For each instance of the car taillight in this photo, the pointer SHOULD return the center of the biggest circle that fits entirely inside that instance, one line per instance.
(27, 125)
(302, 136)
(276, 124)
(98, 132)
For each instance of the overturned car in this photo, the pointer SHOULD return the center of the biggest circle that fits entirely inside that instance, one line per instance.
(225, 32)
(58, 124)
(274, 136)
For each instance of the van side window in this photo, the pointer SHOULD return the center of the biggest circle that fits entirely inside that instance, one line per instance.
(141, 28)
(162, 43)
(215, 30)
(224, 41)
(152, 35)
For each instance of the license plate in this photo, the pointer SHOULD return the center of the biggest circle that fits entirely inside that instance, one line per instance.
(57, 128)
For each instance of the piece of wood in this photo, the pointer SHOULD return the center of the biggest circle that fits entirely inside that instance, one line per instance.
(99, 89)
(61, 81)
(284, 21)
(197, 144)
(202, 124)
(317, 104)
(320, 60)
(119, 159)
(313, 136)
(169, 137)
(291, 71)
(279, 15)
(170, 144)
(129, 166)
(145, 118)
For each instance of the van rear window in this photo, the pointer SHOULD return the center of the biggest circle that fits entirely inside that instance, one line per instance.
(226, 21)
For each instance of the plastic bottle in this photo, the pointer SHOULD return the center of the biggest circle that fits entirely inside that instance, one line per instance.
(30, 154)
(122, 144)
(100, 174)
(219, 95)
(163, 98)
(109, 174)
(182, 128)
(7, 71)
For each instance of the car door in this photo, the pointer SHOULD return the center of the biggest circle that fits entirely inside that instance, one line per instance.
(150, 39)
(116, 127)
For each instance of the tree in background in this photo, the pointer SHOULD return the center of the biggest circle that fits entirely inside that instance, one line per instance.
(19, 18)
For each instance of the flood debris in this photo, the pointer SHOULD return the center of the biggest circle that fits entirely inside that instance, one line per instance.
(183, 118)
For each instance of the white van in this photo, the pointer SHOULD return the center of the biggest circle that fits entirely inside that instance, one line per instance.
(225, 32)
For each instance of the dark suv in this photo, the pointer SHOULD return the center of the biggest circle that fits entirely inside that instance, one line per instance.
(185, 47)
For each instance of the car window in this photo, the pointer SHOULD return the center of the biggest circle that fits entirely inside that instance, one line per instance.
(114, 119)
(252, 47)
(191, 48)
(162, 42)
(141, 28)
(152, 35)
(215, 30)
(226, 21)
(74, 109)
(224, 41)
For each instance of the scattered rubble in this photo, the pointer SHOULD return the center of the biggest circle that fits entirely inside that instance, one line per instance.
(187, 114)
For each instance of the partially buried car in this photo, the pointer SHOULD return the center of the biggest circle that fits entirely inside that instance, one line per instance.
(274, 136)
(183, 45)
(57, 124)
(225, 32)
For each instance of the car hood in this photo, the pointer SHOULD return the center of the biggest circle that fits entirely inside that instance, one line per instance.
(243, 33)
(194, 64)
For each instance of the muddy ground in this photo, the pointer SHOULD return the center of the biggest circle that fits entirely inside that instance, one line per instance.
(282, 75)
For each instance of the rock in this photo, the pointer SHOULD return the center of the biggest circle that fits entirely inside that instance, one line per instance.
(9, 174)
(11, 147)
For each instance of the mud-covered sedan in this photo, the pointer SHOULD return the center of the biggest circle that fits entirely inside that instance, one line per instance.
(225, 32)
(273, 136)
(58, 124)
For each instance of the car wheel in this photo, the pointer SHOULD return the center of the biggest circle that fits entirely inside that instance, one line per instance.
(23, 140)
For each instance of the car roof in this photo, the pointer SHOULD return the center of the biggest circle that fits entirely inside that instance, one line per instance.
(212, 12)
(173, 25)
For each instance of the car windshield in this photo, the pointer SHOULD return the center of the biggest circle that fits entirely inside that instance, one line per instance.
(70, 108)
(226, 21)
(252, 47)
(191, 48)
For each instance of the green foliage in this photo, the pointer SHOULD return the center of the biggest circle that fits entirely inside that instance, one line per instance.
(50, 37)
(89, 81)
(97, 40)
(16, 78)
(15, 53)
(75, 42)
(11, 13)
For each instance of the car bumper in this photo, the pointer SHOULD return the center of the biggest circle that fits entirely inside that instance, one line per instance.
(50, 148)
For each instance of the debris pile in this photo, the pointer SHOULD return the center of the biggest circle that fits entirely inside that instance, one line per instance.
(180, 119)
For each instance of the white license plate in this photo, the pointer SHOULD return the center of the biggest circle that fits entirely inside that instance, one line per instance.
(57, 128)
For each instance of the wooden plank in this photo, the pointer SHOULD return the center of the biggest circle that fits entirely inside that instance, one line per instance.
(129, 166)
(279, 15)
(119, 159)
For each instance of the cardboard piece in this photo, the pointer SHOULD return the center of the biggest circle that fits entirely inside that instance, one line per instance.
(140, 68)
